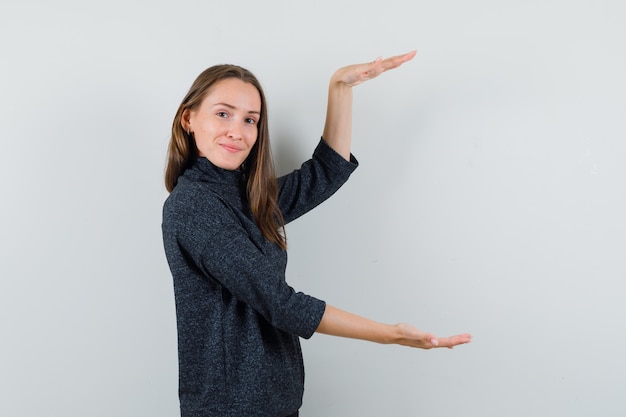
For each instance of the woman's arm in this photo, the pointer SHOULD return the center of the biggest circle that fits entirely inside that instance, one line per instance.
(338, 135)
(336, 322)
(338, 126)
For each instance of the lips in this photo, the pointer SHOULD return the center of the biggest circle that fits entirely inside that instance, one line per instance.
(230, 148)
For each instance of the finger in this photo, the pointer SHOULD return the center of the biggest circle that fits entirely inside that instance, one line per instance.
(452, 341)
(396, 61)
(444, 342)
(380, 65)
(448, 342)
(373, 69)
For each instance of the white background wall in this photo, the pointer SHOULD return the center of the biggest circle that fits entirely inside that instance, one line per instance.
(490, 199)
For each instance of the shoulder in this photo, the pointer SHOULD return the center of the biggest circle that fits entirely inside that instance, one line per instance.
(189, 198)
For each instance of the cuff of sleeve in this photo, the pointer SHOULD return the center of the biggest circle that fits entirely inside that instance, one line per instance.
(327, 154)
(315, 318)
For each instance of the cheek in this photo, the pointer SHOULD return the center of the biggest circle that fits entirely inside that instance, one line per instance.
(252, 138)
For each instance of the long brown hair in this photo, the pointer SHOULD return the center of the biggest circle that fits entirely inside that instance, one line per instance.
(259, 173)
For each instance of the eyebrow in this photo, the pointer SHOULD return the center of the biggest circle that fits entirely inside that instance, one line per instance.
(230, 106)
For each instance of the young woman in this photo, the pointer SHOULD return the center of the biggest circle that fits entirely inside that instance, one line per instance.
(239, 322)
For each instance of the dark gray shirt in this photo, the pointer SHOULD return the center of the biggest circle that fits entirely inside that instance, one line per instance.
(239, 322)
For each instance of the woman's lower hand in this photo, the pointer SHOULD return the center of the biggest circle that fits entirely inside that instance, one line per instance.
(413, 337)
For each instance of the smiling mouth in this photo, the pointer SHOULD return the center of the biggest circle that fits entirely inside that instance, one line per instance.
(230, 148)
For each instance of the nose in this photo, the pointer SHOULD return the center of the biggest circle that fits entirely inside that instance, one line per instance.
(234, 132)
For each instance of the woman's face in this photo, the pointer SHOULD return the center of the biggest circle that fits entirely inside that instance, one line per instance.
(225, 126)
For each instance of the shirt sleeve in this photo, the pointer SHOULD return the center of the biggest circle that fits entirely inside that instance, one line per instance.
(220, 246)
(314, 182)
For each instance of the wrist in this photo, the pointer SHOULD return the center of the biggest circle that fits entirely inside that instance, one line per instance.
(391, 334)
(337, 84)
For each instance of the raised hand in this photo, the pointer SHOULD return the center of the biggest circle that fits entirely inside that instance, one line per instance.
(338, 126)
(356, 74)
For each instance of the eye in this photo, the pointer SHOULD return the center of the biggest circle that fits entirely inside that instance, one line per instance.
(250, 121)
(222, 114)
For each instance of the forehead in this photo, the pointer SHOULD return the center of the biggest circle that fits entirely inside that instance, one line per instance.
(234, 92)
